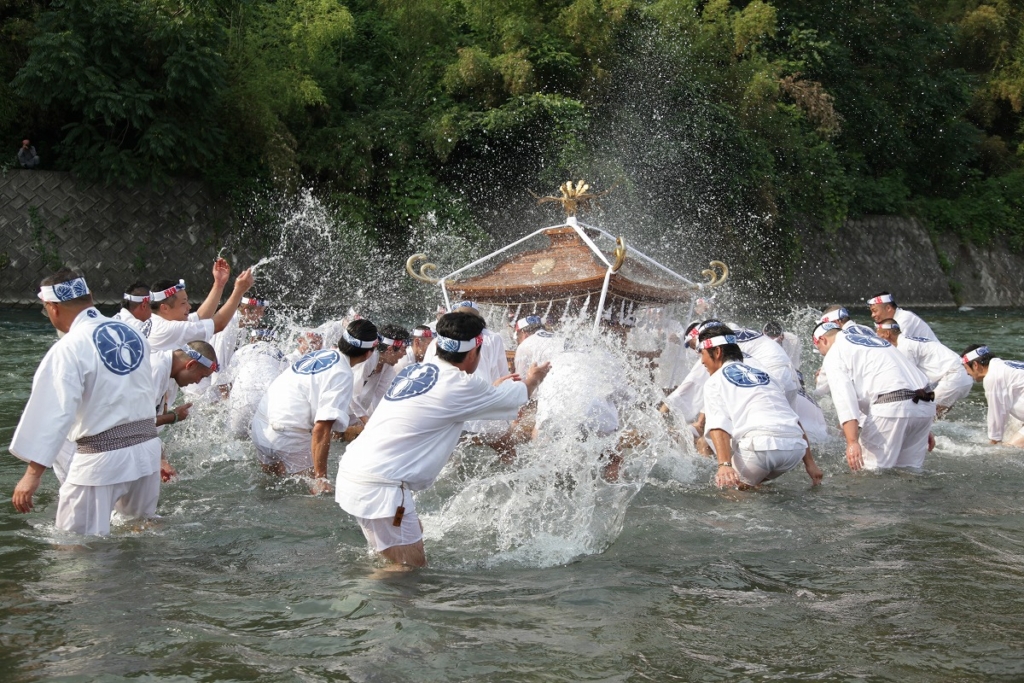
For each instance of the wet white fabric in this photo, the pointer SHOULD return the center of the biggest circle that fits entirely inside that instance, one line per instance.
(224, 345)
(1004, 391)
(888, 442)
(687, 400)
(754, 467)
(791, 345)
(765, 353)
(98, 376)
(375, 383)
(583, 393)
(125, 316)
(382, 534)
(317, 387)
(165, 389)
(254, 367)
(912, 325)
(86, 510)
(540, 347)
(941, 365)
(812, 419)
(861, 368)
(166, 335)
(405, 361)
(855, 328)
(360, 375)
(413, 432)
(748, 404)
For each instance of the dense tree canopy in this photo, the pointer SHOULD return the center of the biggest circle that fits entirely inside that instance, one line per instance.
(397, 108)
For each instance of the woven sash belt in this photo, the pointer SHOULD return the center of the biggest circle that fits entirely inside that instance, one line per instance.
(121, 436)
(914, 395)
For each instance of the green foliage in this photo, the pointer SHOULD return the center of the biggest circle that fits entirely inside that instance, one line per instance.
(136, 81)
(397, 109)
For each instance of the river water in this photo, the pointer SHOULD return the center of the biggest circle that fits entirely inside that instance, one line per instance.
(893, 576)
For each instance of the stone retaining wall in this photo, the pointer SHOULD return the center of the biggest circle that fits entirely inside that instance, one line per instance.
(114, 235)
(117, 235)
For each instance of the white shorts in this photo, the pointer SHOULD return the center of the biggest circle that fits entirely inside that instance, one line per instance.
(294, 449)
(293, 461)
(753, 467)
(383, 534)
(86, 509)
(894, 441)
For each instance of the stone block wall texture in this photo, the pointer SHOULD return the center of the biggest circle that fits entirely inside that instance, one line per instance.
(114, 235)
(117, 235)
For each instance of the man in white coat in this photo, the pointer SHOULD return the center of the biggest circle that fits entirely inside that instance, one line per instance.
(414, 431)
(1004, 391)
(883, 306)
(883, 402)
(293, 422)
(172, 324)
(135, 308)
(94, 387)
(942, 365)
(756, 433)
(535, 345)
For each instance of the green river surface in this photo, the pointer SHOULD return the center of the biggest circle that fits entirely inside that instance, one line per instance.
(877, 577)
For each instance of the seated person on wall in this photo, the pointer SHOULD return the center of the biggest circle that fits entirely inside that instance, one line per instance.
(756, 434)
(1004, 391)
(883, 306)
(942, 365)
(174, 327)
(883, 402)
(27, 156)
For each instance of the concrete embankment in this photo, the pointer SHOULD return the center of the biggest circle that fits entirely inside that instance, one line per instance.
(116, 235)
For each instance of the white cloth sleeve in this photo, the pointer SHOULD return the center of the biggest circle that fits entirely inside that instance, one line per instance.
(844, 394)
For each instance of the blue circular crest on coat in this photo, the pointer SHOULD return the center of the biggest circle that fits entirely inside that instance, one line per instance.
(745, 376)
(746, 335)
(415, 380)
(92, 313)
(120, 347)
(1015, 364)
(866, 340)
(919, 339)
(316, 362)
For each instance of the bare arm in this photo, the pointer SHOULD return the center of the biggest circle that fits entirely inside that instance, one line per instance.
(221, 271)
(223, 316)
(854, 457)
(26, 488)
(321, 446)
(534, 376)
(726, 475)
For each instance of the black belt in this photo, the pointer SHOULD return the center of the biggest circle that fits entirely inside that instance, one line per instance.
(899, 395)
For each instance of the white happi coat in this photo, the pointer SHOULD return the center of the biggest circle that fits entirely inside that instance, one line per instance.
(745, 402)
(861, 368)
(126, 317)
(493, 366)
(687, 400)
(405, 361)
(540, 347)
(316, 387)
(765, 353)
(98, 376)
(224, 345)
(167, 335)
(912, 325)
(791, 345)
(1004, 391)
(413, 433)
(165, 389)
(941, 365)
(253, 369)
(375, 383)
